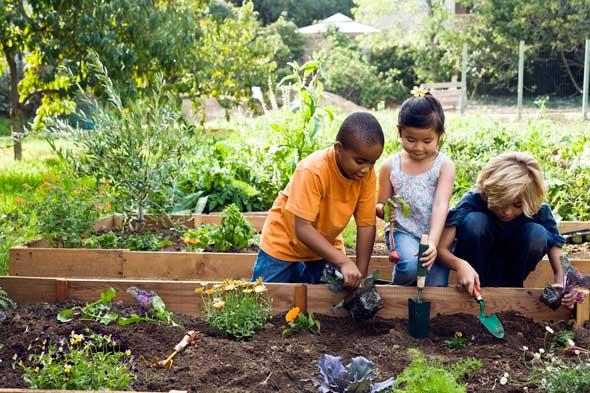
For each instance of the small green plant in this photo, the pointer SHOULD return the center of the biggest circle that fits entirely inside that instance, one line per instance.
(457, 342)
(151, 308)
(236, 308)
(67, 208)
(298, 322)
(99, 311)
(133, 241)
(234, 231)
(5, 303)
(78, 362)
(428, 375)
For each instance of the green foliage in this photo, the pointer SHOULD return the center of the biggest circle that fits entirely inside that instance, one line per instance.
(567, 378)
(140, 241)
(428, 375)
(234, 231)
(236, 308)
(67, 208)
(99, 311)
(300, 134)
(299, 322)
(79, 362)
(562, 338)
(131, 147)
(288, 44)
(457, 342)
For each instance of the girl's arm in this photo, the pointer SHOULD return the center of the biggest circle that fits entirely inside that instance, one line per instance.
(384, 186)
(440, 208)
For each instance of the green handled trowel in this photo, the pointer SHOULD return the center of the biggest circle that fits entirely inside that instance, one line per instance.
(491, 322)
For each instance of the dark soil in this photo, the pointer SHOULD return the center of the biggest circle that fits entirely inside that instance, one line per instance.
(271, 362)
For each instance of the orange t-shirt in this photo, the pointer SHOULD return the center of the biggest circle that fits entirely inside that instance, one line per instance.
(317, 192)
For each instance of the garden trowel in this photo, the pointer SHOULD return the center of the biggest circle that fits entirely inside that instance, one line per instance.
(491, 322)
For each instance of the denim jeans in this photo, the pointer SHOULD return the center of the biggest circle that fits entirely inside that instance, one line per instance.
(276, 270)
(405, 270)
(503, 254)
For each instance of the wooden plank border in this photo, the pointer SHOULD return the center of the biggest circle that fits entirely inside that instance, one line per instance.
(179, 297)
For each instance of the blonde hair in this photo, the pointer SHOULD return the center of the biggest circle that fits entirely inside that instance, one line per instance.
(512, 176)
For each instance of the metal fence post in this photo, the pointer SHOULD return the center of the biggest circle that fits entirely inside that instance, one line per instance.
(586, 80)
(520, 77)
(463, 102)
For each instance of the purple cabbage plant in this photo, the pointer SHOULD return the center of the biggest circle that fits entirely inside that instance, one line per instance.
(572, 279)
(143, 298)
(356, 377)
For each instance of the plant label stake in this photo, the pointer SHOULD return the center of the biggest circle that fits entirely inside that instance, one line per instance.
(491, 322)
(418, 311)
(189, 338)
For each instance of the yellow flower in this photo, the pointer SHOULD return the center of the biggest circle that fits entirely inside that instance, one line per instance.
(210, 291)
(259, 289)
(248, 290)
(258, 281)
(67, 368)
(218, 304)
(229, 287)
(36, 369)
(292, 314)
(199, 290)
(418, 91)
(459, 334)
(128, 352)
(20, 363)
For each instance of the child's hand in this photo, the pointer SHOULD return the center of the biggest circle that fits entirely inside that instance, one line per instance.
(352, 274)
(467, 276)
(569, 299)
(429, 256)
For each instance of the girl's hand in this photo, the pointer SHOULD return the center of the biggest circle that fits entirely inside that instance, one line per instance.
(429, 256)
(379, 210)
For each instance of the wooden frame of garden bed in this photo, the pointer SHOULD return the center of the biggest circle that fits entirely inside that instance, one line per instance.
(179, 297)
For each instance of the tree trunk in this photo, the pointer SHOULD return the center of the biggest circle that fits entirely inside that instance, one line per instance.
(16, 110)
(569, 72)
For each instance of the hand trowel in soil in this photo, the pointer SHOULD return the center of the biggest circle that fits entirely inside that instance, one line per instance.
(419, 311)
(491, 322)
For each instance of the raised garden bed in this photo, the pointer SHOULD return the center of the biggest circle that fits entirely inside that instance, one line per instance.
(271, 362)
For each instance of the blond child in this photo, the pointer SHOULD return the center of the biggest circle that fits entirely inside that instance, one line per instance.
(302, 231)
(423, 176)
(503, 229)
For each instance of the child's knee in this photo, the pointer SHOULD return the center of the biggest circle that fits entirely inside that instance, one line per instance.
(475, 226)
(535, 237)
(405, 271)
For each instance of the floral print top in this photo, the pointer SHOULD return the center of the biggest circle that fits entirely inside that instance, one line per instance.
(418, 191)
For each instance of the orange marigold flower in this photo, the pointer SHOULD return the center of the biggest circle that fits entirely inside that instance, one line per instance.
(292, 314)
(190, 241)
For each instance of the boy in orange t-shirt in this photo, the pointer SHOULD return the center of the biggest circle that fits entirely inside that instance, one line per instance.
(302, 231)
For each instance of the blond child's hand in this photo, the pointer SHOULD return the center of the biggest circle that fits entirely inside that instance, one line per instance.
(467, 276)
(429, 256)
(352, 275)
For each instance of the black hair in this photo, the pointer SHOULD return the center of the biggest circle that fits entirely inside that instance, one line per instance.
(360, 127)
(422, 112)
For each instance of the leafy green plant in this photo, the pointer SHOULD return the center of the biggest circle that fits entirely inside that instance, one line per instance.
(137, 241)
(233, 231)
(66, 209)
(457, 342)
(428, 375)
(236, 308)
(78, 362)
(357, 376)
(99, 311)
(5, 303)
(298, 322)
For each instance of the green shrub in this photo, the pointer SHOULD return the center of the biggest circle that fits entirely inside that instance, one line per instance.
(236, 308)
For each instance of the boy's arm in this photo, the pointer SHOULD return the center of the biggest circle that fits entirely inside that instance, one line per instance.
(385, 189)
(365, 239)
(309, 236)
(466, 274)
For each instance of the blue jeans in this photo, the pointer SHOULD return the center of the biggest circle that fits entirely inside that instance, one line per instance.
(276, 270)
(405, 270)
(503, 254)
